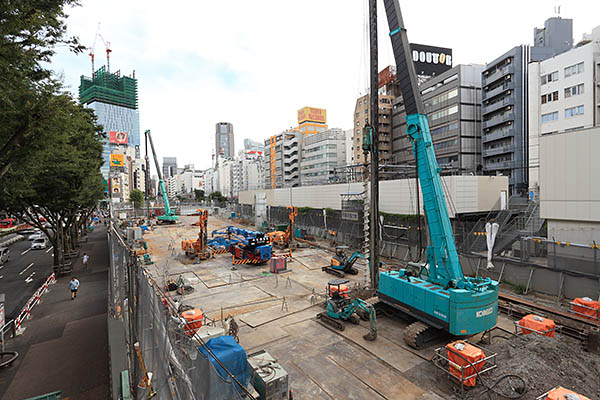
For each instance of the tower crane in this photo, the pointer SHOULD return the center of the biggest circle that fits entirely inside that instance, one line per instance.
(106, 46)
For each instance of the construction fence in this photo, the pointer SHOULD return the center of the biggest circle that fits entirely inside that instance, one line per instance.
(149, 349)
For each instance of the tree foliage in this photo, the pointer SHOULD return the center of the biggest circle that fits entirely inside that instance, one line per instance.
(137, 198)
(199, 194)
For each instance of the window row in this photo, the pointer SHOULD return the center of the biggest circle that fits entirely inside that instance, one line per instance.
(444, 113)
(441, 98)
(568, 71)
(569, 113)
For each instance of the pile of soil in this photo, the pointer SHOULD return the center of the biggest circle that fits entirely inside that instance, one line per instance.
(543, 363)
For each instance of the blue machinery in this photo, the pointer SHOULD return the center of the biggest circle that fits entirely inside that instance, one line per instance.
(243, 244)
(436, 293)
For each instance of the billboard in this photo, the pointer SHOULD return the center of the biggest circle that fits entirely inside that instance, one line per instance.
(117, 160)
(115, 137)
(431, 60)
(312, 114)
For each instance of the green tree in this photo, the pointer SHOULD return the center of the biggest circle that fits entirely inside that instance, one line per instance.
(137, 198)
(199, 194)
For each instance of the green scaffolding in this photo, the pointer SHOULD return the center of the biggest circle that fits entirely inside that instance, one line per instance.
(111, 88)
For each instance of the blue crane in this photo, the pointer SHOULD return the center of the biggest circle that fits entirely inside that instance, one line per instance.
(436, 293)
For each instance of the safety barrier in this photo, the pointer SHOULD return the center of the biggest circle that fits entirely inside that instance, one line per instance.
(221, 251)
(32, 302)
(247, 261)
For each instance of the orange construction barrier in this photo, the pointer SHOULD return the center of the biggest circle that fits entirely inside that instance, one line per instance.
(540, 325)
(560, 392)
(587, 307)
(473, 354)
(194, 319)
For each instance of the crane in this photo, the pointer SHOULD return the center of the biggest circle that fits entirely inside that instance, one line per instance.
(106, 46)
(436, 293)
(169, 216)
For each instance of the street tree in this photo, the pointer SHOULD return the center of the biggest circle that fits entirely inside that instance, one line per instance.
(137, 198)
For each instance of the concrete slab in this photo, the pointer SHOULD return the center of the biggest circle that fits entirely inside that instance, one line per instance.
(281, 286)
(258, 318)
(257, 338)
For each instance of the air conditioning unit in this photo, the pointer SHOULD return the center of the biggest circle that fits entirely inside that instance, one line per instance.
(268, 377)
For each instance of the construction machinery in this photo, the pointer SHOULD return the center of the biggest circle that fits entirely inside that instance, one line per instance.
(199, 247)
(340, 307)
(341, 264)
(283, 239)
(169, 216)
(435, 293)
(249, 246)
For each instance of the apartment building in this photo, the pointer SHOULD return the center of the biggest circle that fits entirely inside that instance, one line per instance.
(362, 114)
(282, 159)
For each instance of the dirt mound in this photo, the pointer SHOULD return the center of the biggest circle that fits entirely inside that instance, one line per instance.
(544, 363)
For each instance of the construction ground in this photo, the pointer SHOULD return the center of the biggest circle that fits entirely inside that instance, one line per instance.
(277, 313)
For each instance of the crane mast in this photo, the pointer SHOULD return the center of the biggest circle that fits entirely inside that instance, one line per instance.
(169, 215)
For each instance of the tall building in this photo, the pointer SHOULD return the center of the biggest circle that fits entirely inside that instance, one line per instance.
(564, 96)
(362, 113)
(453, 105)
(505, 103)
(169, 167)
(224, 142)
(282, 159)
(114, 99)
(321, 154)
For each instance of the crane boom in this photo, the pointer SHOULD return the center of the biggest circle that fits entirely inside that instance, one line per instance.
(169, 215)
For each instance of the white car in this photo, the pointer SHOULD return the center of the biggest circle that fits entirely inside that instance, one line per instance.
(37, 235)
(38, 244)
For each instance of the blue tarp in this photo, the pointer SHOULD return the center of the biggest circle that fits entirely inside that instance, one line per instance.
(232, 355)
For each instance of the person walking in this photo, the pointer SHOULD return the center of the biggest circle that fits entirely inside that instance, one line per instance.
(73, 285)
(86, 258)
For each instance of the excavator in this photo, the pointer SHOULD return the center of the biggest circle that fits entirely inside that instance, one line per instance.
(341, 308)
(435, 293)
(341, 265)
(169, 216)
(284, 239)
(199, 247)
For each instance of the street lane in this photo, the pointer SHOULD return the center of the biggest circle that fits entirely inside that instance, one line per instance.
(22, 275)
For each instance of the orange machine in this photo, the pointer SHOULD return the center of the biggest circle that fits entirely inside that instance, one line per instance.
(458, 353)
(560, 393)
(198, 248)
(284, 239)
(587, 307)
(537, 324)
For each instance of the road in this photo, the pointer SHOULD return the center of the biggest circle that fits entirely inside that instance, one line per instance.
(23, 274)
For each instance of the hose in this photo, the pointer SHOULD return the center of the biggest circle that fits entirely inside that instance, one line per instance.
(519, 394)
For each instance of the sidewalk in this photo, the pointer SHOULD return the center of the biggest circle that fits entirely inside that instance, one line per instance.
(65, 344)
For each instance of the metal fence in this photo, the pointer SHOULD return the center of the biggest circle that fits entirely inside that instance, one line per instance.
(147, 338)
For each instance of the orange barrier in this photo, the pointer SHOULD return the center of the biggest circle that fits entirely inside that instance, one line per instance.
(537, 324)
(461, 368)
(560, 392)
(586, 307)
(33, 301)
(194, 319)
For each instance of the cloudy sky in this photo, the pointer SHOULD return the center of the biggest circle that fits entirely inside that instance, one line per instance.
(255, 63)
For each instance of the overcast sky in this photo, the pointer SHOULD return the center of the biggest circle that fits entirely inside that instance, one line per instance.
(255, 63)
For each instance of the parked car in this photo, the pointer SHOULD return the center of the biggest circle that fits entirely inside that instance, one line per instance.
(4, 254)
(38, 244)
(36, 235)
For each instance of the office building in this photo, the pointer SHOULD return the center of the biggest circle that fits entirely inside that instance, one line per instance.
(564, 96)
(114, 99)
(505, 110)
(282, 159)
(452, 104)
(312, 120)
(224, 142)
(169, 167)
(251, 145)
(321, 154)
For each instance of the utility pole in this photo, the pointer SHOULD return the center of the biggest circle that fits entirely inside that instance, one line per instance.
(374, 121)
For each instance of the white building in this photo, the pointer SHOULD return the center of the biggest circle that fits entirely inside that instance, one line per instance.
(282, 159)
(349, 153)
(321, 154)
(184, 182)
(564, 96)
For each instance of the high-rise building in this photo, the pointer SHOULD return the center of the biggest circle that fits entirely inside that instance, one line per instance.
(224, 142)
(169, 167)
(282, 159)
(452, 103)
(114, 99)
(504, 108)
(564, 96)
(362, 114)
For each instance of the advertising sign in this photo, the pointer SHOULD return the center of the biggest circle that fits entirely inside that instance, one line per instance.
(117, 137)
(117, 160)
(431, 60)
(312, 114)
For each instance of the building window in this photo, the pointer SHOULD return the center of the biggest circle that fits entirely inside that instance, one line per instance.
(547, 98)
(574, 90)
(444, 113)
(551, 77)
(553, 116)
(444, 129)
(442, 97)
(573, 111)
(574, 69)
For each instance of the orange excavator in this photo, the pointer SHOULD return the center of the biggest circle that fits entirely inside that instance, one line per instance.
(198, 248)
(284, 239)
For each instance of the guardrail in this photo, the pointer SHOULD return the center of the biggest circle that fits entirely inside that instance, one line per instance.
(32, 302)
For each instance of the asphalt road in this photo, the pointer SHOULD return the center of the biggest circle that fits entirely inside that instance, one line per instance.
(23, 274)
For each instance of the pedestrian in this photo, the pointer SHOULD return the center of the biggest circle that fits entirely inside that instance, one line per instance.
(73, 285)
(86, 258)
